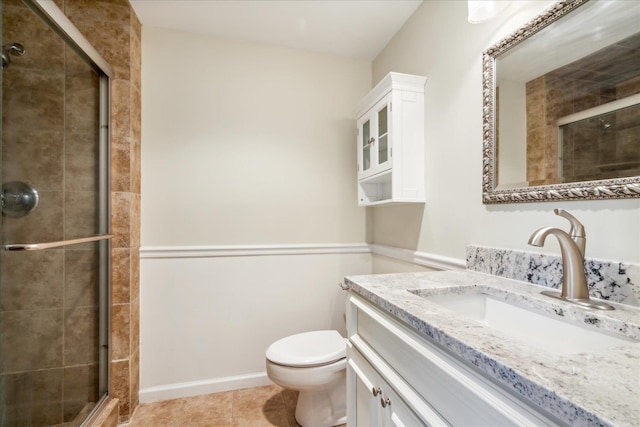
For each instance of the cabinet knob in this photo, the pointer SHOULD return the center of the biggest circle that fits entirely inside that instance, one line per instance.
(372, 140)
(376, 391)
(384, 402)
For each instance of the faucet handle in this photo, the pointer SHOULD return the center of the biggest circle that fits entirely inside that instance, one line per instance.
(577, 229)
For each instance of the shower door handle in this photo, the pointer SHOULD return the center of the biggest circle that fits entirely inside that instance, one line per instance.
(49, 245)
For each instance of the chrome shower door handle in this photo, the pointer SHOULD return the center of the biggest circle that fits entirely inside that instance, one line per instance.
(48, 245)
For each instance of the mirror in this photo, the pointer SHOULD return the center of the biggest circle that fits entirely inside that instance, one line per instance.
(561, 116)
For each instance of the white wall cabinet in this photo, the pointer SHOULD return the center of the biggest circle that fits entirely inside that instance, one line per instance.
(391, 141)
(424, 385)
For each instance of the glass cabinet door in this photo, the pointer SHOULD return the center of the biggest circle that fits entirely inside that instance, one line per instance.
(366, 145)
(374, 139)
(383, 136)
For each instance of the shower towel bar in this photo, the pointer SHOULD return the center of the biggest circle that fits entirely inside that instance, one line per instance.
(49, 245)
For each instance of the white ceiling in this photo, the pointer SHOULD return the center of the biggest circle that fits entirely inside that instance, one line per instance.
(351, 28)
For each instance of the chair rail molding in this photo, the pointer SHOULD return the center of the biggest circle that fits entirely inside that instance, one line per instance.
(251, 250)
(424, 259)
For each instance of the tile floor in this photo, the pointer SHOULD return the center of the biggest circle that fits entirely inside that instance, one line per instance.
(254, 407)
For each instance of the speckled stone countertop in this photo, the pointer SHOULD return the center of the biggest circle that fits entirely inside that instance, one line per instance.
(601, 387)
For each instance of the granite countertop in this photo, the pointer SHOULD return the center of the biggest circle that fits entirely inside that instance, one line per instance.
(600, 387)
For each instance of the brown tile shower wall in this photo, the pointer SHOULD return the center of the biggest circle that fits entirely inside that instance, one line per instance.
(547, 98)
(48, 310)
(114, 30)
(628, 122)
(536, 131)
(551, 97)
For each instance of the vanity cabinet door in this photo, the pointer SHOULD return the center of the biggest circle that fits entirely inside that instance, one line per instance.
(365, 388)
(374, 402)
(398, 413)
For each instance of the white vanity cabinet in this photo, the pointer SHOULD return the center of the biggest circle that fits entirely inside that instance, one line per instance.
(391, 141)
(395, 377)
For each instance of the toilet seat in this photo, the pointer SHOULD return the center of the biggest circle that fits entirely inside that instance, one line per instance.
(308, 349)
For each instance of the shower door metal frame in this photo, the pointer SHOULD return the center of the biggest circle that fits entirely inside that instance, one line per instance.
(61, 25)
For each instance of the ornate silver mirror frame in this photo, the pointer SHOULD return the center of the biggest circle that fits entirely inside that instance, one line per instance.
(601, 189)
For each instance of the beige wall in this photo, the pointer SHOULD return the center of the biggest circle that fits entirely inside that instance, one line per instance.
(512, 156)
(245, 145)
(248, 143)
(383, 264)
(439, 43)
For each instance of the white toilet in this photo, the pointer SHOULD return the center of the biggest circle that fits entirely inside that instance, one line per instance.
(314, 363)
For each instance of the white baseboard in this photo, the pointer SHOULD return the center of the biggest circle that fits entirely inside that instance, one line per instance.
(196, 388)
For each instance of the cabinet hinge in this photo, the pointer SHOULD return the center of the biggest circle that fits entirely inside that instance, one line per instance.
(391, 106)
(391, 153)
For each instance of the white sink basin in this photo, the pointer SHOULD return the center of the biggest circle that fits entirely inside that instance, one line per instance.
(552, 334)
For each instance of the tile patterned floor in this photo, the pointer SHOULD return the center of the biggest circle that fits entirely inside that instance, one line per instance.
(254, 407)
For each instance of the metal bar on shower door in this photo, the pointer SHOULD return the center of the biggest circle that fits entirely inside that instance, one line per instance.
(58, 244)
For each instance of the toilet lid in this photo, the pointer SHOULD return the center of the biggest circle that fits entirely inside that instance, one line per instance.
(308, 349)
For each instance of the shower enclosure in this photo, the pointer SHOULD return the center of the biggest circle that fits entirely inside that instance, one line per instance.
(54, 256)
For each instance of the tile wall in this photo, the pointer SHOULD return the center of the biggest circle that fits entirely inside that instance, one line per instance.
(542, 141)
(48, 311)
(602, 148)
(115, 31)
(47, 307)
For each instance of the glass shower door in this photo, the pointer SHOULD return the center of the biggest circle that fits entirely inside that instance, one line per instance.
(54, 257)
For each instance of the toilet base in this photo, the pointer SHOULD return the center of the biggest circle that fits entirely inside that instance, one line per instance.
(322, 409)
(321, 386)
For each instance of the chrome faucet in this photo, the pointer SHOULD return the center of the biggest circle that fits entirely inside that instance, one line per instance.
(572, 248)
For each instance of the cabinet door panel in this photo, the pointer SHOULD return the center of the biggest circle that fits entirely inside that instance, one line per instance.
(399, 414)
(385, 407)
(365, 145)
(383, 135)
(368, 411)
(381, 132)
